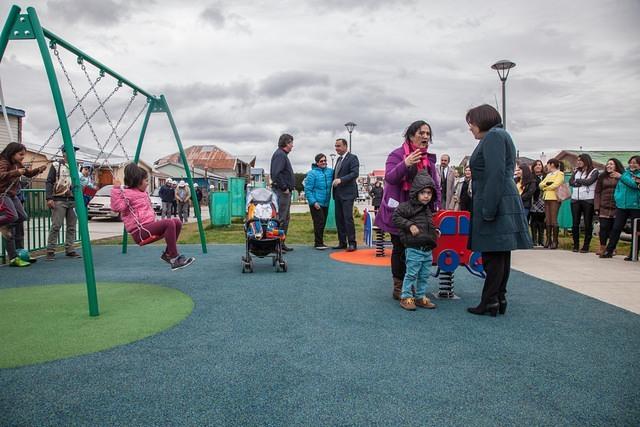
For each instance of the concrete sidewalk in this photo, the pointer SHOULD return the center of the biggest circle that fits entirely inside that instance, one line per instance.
(613, 281)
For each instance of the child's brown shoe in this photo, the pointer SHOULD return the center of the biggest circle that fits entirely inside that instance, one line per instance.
(408, 303)
(424, 302)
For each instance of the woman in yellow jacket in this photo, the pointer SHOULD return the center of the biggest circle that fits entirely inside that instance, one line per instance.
(553, 180)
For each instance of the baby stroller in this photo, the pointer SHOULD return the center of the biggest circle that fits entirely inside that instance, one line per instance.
(262, 230)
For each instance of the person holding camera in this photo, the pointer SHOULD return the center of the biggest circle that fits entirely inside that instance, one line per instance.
(12, 213)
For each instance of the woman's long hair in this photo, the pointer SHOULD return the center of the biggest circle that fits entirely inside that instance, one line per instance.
(618, 168)
(588, 163)
(11, 149)
(527, 175)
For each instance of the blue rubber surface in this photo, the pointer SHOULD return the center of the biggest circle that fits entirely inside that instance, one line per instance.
(325, 344)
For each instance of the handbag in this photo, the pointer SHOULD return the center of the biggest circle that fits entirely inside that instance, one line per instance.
(563, 192)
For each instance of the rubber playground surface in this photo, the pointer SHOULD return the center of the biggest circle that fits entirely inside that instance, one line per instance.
(324, 344)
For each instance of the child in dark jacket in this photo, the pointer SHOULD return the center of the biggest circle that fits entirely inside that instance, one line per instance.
(417, 232)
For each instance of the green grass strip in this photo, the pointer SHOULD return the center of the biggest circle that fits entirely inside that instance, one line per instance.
(44, 323)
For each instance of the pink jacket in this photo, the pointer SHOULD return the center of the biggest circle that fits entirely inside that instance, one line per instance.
(140, 205)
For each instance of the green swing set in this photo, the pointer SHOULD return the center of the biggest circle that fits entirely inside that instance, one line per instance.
(19, 26)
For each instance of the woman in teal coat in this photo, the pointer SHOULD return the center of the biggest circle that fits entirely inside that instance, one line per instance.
(317, 189)
(498, 223)
(627, 197)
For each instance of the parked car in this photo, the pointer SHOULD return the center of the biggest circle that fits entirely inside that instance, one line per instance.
(100, 205)
(156, 201)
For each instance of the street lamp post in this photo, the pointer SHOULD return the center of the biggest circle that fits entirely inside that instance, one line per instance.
(503, 67)
(350, 126)
(333, 157)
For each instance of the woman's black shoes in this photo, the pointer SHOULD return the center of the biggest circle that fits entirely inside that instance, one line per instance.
(492, 309)
(502, 308)
(607, 254)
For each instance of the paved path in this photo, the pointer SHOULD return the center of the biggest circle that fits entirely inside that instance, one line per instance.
(614, 280)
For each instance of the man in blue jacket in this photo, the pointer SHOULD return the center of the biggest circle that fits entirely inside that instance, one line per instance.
(345, 191)
(282, 181)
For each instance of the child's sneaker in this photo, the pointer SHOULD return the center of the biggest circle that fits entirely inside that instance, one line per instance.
(166, 258)
(408, 304)
(424, 302)
(5, 230)
(181, 262)
(17, 262)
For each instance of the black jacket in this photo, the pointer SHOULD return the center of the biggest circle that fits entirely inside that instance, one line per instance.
(527, 194)
(167, 194)
(376, 194)
(348, 173)
(281, 171)
(412, 212)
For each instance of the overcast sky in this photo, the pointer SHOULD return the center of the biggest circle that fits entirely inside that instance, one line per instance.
(239, 73)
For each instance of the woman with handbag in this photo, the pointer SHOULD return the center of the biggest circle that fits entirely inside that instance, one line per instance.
(583, 181)
(551, 182)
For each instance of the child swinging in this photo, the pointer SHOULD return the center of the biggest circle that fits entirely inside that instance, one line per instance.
(134, 206)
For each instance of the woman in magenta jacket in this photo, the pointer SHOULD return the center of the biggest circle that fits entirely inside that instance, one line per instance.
(402, 165)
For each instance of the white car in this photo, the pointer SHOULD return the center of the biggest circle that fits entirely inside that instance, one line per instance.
(100, 205)
(156, 201)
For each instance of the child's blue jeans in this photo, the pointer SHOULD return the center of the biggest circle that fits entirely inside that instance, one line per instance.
(418, 272)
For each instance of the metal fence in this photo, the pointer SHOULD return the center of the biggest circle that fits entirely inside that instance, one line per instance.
(36, 228)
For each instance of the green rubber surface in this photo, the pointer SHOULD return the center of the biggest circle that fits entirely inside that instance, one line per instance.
(44, 323)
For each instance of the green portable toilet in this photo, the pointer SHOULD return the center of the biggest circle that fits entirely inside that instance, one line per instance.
(565, 220)
(220, 208)
(238, 197)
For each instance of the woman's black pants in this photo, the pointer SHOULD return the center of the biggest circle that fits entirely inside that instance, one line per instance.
(398, 260)
(618, 224)
(581, 208)
(319, 217)
(497, 266)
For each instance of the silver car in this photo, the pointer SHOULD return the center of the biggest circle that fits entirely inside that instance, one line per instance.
(100, 205)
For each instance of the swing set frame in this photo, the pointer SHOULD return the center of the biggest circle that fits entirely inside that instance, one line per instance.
(19, 26)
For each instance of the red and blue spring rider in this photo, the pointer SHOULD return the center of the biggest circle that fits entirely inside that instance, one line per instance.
(452, 251)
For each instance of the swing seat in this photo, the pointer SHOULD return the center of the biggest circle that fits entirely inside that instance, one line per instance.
(149, 239)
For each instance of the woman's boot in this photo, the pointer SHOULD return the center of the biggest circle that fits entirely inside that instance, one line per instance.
(397, 288)
(554, 238)
(586, 244)
(547, 242)
(534, 234)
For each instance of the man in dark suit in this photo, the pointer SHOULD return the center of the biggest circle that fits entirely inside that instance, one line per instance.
(345, 191)
(447, 182)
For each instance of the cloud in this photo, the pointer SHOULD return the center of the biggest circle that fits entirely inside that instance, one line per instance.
(104, 13)
(279, 84)
(219, 19)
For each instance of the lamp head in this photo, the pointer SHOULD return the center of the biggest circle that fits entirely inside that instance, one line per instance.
(503, 67)
(350, 126)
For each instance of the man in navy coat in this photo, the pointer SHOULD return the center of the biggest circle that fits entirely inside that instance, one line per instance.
(345, 191)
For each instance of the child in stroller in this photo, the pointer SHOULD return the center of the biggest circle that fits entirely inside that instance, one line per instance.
(263, 235)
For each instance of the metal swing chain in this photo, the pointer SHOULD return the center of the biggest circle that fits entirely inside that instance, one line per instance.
(119, 138)
(84, 112)
(101, 105)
